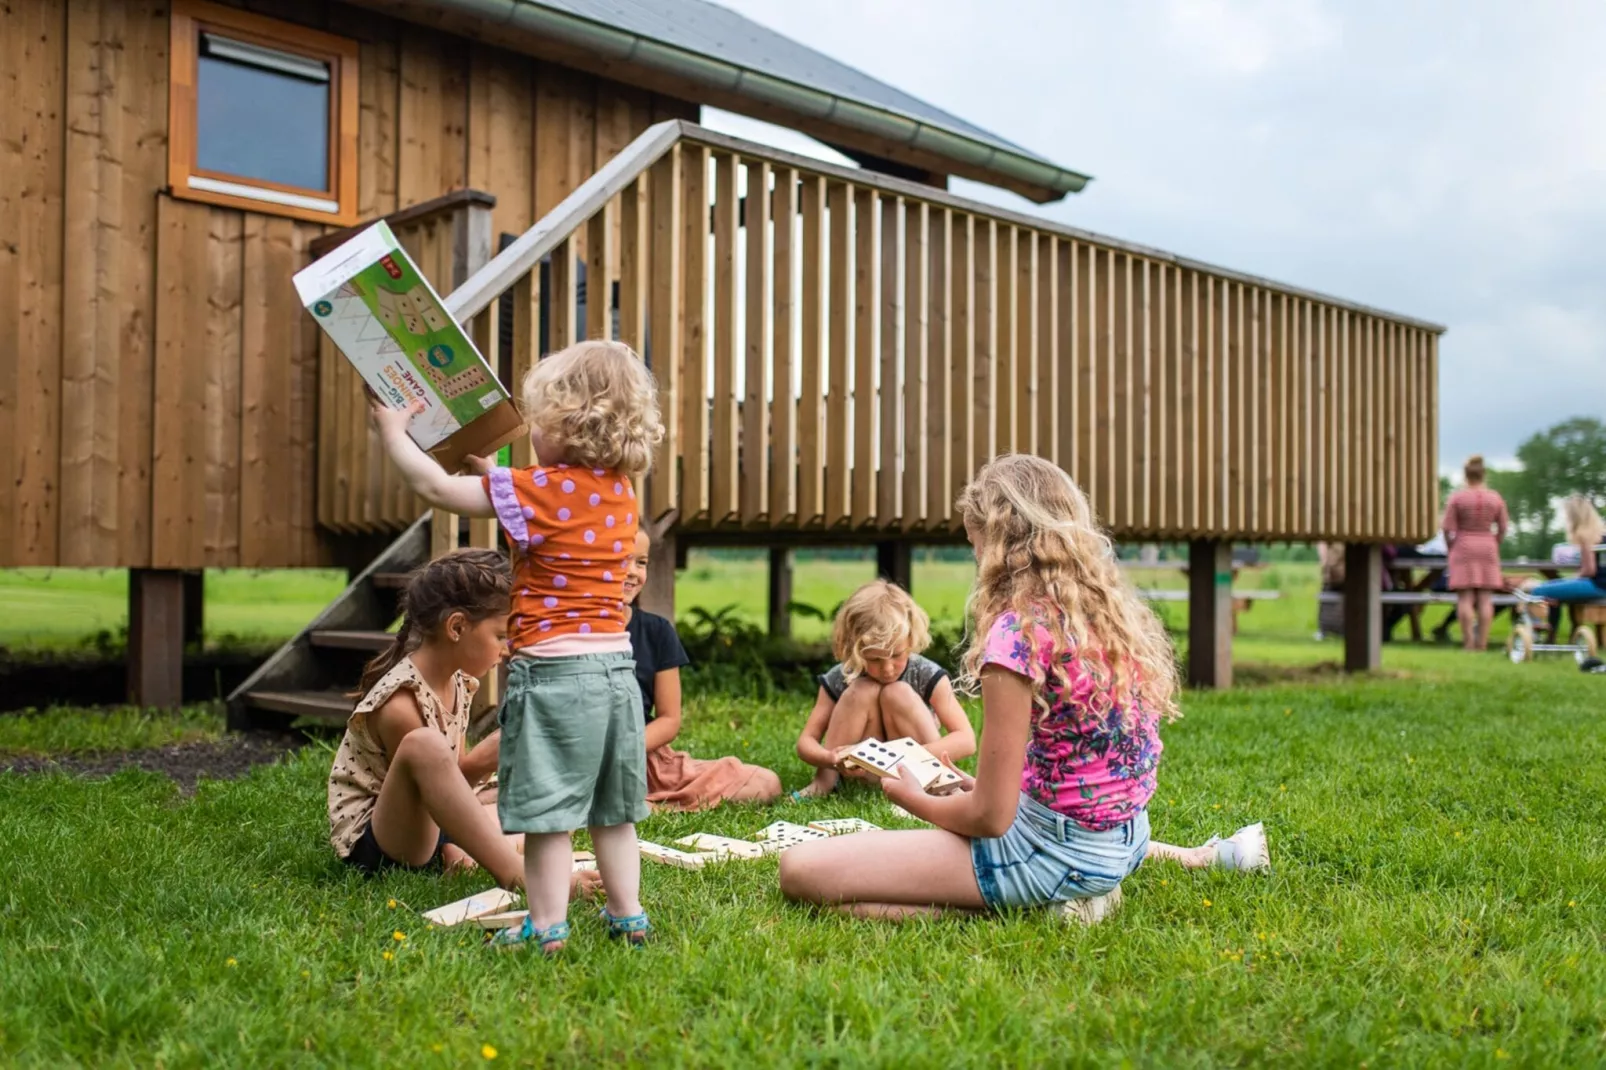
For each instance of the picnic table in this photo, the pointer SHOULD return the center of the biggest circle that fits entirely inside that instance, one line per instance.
(1415, 577)
(1242, 601)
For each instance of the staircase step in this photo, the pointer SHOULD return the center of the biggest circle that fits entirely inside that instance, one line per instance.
(391, 581)
(351, 640)
(331, 706)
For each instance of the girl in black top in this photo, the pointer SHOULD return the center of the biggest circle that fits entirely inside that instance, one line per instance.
(676, 780)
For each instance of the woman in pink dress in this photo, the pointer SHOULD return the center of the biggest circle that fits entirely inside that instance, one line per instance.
(1475, 523)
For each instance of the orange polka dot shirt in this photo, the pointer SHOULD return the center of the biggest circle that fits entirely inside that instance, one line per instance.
(571, 530)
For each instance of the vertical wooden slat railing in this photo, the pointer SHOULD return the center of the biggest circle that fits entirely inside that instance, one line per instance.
(839, 352)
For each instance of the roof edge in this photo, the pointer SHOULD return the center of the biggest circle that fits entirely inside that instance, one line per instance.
(1018, 171)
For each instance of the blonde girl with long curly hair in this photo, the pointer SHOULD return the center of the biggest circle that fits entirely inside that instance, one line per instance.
(573, 748)
(1075, 675)
(1585, 531)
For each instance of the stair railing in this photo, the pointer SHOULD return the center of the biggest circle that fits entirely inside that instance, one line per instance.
(839, 351)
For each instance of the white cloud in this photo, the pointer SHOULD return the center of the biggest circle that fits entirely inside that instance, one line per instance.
(1443, 159)
(1245, 37)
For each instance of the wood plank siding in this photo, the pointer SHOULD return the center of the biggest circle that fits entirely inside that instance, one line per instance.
(163, 400)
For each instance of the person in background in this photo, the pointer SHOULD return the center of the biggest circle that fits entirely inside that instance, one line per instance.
(1475, 523)
(676, 780)
(1585, 530)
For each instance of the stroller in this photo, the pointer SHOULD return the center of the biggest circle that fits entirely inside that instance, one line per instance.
(1530, 615)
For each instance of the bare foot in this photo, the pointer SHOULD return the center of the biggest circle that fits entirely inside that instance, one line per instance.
(456, 860)
(823, 784)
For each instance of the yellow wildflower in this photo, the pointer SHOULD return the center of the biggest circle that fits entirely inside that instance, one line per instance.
(231, 962)
(1207, 902)
(1570, 902)
(387, 956)
(1500, 1053)
(306, 973)
(398, 935)
(391, 904)
(488, 1051)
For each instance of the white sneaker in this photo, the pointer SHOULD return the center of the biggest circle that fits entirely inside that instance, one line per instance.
(1089, 912)
(1244, 850)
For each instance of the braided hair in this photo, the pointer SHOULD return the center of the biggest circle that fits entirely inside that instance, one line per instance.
(475, 583)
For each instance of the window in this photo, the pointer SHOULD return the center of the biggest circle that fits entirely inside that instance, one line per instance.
(262, 115)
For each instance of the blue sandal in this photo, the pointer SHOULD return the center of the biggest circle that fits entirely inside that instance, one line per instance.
(550, 940)
(635, 928)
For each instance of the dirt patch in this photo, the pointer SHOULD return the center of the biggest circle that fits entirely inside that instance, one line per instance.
(1255, 674)
(185, 763)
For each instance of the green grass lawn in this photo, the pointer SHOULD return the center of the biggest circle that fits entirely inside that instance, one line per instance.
(56, 608)
(1437, 900)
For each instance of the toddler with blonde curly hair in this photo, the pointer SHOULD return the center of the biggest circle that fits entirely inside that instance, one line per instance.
(573, 751)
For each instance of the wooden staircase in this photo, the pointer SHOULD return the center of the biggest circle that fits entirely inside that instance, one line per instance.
(312, 676)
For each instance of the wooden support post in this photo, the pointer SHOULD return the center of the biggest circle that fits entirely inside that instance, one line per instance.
(1363, 608)
(194, 607)
(1209, 614)
(894, 562)
(155, 637)
(658, 594)
(780, 592)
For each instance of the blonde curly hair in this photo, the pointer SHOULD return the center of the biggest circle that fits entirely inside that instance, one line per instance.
(1040, 555)
(878, 616)
(599, 400)
(1582, 520)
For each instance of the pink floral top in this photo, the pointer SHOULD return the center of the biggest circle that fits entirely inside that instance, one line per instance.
(1081, 759)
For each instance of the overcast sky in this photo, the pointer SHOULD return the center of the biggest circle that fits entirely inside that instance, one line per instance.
(1443, 160)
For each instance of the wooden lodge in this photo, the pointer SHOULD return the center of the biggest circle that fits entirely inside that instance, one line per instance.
(838, 349)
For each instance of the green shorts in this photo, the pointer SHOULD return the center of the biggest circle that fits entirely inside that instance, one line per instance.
(574, 748)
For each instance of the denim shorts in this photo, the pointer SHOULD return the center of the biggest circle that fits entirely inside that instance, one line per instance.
(1047, 858)
(574, 749)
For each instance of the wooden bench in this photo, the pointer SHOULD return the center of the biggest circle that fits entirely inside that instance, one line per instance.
(1242, 601)
(1417, 601)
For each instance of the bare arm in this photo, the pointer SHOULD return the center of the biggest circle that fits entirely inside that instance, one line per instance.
(809, 747)
(463, 495)
(665, 726)
(989, 807)
(478, 764)
(960, 739)
(391, 722)
(1449, 526)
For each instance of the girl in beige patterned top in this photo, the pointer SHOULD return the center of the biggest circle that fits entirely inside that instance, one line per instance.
(402, 791)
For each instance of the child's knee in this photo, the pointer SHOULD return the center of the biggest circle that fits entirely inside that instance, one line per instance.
(899, 696)
(800, 878)
(862, 688)
(424, 746)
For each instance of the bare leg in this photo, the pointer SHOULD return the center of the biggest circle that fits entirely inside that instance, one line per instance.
(903, 713)
(762, 786)
(1466, 613)
(1201, 857)
(855, 718)
(1485, 617)
(896, 911)
(424, 792)
(548, 869)
(619, 862)
(880, 871)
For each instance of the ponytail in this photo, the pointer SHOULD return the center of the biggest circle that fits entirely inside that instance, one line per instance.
(387, 659)
(476, 583)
